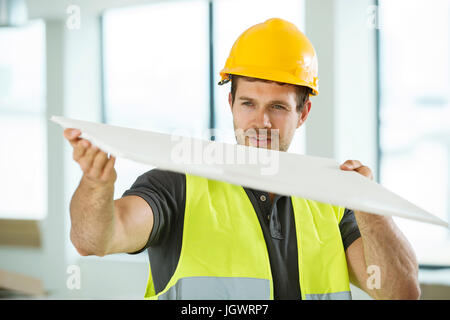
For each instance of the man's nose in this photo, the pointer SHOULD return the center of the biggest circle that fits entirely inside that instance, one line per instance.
(262, 119)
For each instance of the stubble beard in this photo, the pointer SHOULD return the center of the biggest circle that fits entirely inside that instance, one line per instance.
(276, 143)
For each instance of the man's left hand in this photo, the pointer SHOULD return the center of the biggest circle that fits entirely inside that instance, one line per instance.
(355, 165)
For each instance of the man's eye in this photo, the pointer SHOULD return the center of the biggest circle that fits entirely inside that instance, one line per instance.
(247, 103)
(278, 107)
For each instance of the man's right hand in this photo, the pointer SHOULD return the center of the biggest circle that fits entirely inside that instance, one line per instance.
(95, 164)
(101, 225)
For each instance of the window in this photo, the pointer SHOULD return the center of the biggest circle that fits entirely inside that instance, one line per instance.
(23, 156)
(415, 116)
(156, 71)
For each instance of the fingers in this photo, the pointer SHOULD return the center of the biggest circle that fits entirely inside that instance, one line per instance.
(87, 159)
(80, 149)
(365, 171)
(355, 165)
(72, 136)
(94, 163)
(351, 165)
(98, 164)
(79, 145)
(109, 168)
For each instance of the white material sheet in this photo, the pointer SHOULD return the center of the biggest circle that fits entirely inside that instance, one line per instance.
(284, 173)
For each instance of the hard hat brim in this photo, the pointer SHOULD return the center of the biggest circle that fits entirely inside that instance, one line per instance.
(271, 75)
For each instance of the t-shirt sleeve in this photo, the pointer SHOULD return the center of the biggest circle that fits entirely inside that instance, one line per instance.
(349, 228)
(164, 192)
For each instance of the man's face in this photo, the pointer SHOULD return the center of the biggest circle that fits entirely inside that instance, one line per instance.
(265, 114)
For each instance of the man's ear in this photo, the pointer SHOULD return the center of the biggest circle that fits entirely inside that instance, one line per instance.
(229, 101)
(304, 114)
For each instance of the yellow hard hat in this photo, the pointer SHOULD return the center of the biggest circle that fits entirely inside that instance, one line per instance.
(274, 50)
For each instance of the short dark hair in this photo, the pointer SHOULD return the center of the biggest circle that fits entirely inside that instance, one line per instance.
(302, 91)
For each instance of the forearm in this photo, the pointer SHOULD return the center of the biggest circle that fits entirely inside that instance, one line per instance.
(386, 247)
(92, 217)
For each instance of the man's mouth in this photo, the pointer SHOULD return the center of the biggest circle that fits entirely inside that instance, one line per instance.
(260, 140)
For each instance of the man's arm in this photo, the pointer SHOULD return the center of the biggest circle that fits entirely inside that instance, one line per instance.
(101, 225)
(383, 246)
(135, 223)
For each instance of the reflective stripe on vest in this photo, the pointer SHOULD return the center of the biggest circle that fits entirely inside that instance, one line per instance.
(224, 254)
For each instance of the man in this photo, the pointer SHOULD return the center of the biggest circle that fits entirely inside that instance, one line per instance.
(213, 240)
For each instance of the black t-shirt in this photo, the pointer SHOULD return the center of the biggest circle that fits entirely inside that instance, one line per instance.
(165, 192)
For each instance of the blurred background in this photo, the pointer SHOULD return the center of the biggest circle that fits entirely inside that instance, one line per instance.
(384, 70)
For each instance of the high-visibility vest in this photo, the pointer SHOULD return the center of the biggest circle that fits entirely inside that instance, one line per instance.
(224, 254)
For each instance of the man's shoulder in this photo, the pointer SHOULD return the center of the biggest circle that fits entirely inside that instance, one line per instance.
(159, 180)
(163, 176)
